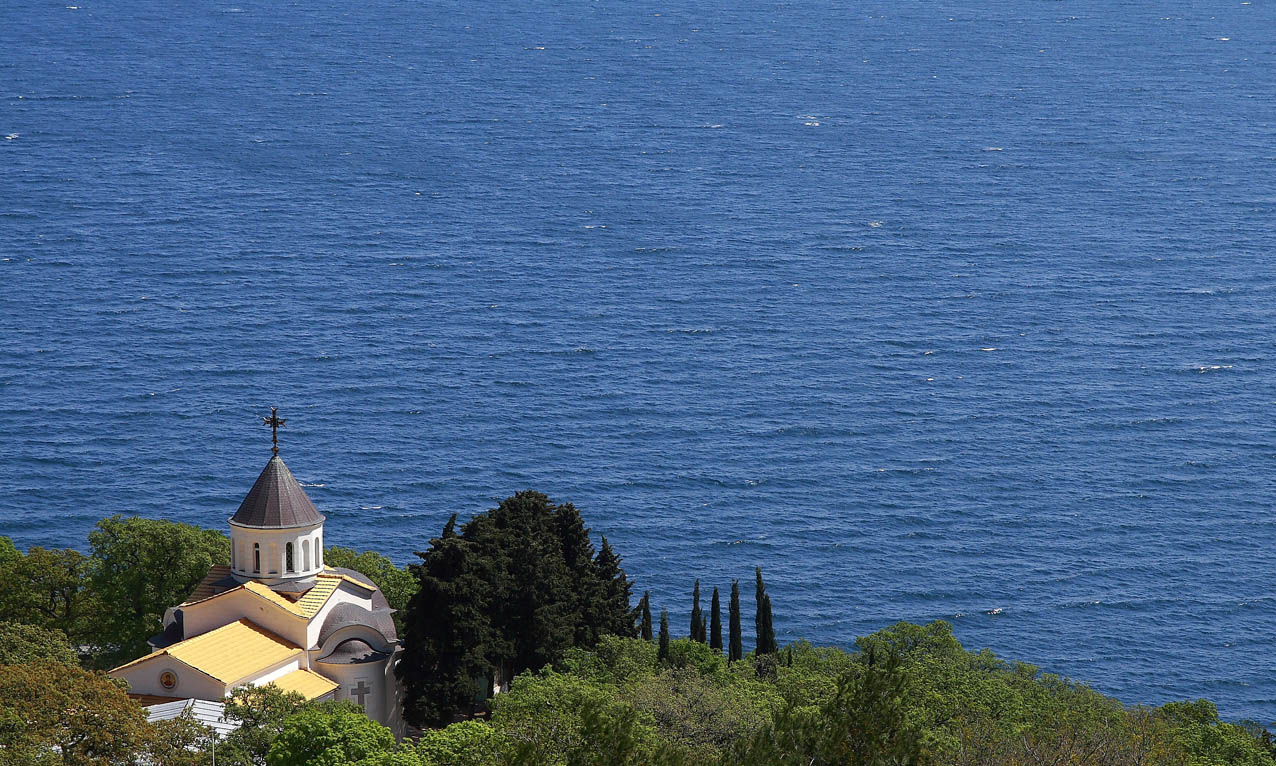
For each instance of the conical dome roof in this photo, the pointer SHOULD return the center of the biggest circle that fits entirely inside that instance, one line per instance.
(276, 501)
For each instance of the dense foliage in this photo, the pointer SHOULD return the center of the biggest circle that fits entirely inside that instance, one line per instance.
(21, 644)
(907, 696)
(51, 712)
(521, 589)
(109, 602)
(512, 590)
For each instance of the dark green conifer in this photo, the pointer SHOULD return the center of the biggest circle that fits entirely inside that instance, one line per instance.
(645, 607)
(662, 653)
(448, 632)
(697, 616)
(584, 601)
(517, 587)
(610, 614)
(762, 622)
(736, 648)
(715, 623)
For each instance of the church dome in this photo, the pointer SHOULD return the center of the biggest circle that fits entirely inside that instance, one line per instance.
(276, 501)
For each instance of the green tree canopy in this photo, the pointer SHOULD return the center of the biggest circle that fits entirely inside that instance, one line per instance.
(22, 644)
(49, 589)
(467, 743)
(331, 734)
(140, 568)
(182, 741)
(49, 707)
(611, 614)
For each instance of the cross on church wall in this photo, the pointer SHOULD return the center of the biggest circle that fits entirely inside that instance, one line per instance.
(360, 691)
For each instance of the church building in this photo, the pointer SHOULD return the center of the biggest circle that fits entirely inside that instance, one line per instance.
(276, 615)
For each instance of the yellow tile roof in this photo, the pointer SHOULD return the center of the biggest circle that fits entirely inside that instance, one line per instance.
(231, 653)
(314, 599)
(307, 683)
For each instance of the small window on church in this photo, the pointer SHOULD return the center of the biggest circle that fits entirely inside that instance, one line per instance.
(257, 557)
(288, 562)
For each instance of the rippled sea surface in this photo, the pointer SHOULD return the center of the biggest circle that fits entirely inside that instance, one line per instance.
(957, 310)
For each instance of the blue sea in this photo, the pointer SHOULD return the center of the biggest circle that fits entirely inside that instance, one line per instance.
(955, 310)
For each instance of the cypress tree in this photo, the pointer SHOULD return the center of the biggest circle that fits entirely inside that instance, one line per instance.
(736, 649)
(448, 633)
(662, 653)
(715, 623)
(611, 614)
(645, 606)
(762, 622)
(697, 616)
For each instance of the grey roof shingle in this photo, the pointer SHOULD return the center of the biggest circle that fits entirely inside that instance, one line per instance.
(276, 501)
(352, 651)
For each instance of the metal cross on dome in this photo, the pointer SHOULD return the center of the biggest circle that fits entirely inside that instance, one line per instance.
(275, 422)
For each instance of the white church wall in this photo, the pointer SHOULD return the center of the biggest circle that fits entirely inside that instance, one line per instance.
(278, 671)
(145, 678)
(203, 616)
(366, 677)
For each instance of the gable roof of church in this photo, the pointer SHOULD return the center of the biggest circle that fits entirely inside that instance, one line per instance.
(276, 501)
(228, 654)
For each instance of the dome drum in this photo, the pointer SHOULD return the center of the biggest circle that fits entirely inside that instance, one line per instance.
(276, 535)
